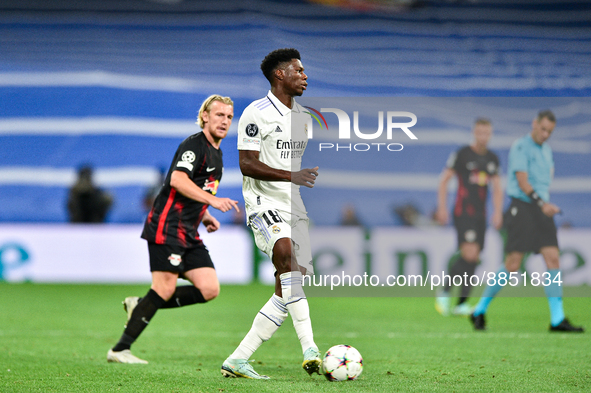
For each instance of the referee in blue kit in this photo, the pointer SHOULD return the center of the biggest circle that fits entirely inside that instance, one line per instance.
(530, 221)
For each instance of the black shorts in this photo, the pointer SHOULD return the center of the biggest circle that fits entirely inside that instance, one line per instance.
(167, 258)
(528, 229)
(470, 230)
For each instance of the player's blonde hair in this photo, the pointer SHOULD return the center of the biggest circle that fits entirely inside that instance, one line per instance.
(206, 106)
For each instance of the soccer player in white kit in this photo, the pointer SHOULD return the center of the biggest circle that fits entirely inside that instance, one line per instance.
(272, 137)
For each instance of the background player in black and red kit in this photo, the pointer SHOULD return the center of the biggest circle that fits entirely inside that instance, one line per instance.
(475, 167)
(171, 227)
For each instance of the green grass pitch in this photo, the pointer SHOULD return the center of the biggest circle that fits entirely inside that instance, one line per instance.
(54, 338)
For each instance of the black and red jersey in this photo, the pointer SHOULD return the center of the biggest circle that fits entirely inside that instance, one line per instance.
(174, 218)
(473, 171)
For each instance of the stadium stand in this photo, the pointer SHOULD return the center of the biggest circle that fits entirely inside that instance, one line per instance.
(117, 84)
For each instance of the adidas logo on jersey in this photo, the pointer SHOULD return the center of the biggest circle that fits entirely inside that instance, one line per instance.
(278, 129)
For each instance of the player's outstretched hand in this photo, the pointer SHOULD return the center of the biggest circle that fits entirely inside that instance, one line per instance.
(305, 177)
(225, 204)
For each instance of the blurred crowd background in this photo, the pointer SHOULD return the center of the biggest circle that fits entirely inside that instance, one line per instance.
(114, 86)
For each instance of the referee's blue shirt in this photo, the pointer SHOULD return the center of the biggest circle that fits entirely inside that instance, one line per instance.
(527, 156)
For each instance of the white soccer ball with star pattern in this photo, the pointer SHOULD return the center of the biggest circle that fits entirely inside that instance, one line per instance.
(342, 363)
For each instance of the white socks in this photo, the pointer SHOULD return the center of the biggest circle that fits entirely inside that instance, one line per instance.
(297, 305)
(264, 326)
(274, 313)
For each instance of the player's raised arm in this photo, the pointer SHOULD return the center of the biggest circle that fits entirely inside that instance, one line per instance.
(180, 181)
(251, 166)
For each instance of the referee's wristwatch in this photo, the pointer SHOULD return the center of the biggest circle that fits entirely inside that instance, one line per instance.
(536, 198)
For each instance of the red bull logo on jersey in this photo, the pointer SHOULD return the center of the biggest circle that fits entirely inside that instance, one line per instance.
(211, 186)
(479, 177)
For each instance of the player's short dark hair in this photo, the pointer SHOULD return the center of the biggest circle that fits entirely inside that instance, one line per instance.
(546, 113)
(275, 59)
(483, 121)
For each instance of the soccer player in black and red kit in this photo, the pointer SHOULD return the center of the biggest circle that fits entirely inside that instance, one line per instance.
(475, 167)
(171, 228)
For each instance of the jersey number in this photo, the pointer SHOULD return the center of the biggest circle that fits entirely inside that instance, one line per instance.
(271, 218)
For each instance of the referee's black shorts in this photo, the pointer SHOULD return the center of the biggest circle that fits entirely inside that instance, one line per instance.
(528, 229)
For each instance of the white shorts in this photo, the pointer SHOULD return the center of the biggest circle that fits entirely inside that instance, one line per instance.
(270, 225)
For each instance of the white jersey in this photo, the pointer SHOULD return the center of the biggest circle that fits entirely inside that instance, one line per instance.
(280, 135)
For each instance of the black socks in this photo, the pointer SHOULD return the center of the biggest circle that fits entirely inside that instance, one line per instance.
(184, 296)
(459, 268)
(469, 269)
(147, 307)
(141, 316)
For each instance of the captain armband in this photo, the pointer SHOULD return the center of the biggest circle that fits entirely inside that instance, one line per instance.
(536, 198)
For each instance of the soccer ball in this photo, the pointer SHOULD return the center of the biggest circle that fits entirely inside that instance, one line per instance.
(342, 363)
